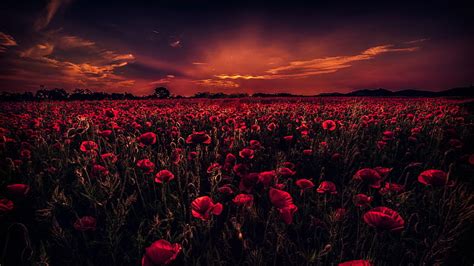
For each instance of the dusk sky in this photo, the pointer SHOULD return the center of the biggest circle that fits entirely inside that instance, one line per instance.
(236, 46)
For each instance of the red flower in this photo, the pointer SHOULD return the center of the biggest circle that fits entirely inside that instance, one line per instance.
(304, 183)
(383, 171)
(327, 187)
(161, 252)
(283, 201)
(109, 157)
(384, 218)
(307, 152)
(25, 154)
(88, 146)
(356, 263)
(85, 223)
(6, 205)
(146, 165)
(18, 189)
(243, 200)
(163, 176)
(433, 177)
(391, 187)
(198, 138)
(279, 198)
(271, 126)
(213, 167)
(255, 144)
(329, 125)
(286, 213)
(286, 172)
(99, 170)
(371, 176)
(339, 214)
(247, 153)
(148, 138)
(288, 138)
(203, 207)
(267, 177)
(226, 189)
(362, 200)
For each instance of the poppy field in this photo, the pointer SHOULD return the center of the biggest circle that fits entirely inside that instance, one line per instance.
(277, 181)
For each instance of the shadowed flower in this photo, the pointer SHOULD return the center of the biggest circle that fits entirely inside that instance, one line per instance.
(6, 205)
(266, 177)
(384, 218)
(161, 252)
(88, 146)
(164, 176)
(391, 187)
(356, 263)
(85, 223)
(109, 157)
(370, 176)
(18, 189)
(285, 172)
(283, 201)
(329, 125)
(247, 153)
(203, 207)
(361, 200)
(433, 177)
(327, 187)
(304, 184)
(243, 200)
(148, 138)
(198, 138)
(146, 165)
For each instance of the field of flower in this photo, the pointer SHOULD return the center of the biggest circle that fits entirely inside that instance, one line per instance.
(300, 181)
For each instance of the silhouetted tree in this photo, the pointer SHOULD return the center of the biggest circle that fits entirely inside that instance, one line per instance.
(162, 93)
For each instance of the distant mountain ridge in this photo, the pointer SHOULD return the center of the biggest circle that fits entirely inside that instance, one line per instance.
(380, 92)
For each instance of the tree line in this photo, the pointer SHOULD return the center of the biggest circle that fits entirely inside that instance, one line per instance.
(58, 94)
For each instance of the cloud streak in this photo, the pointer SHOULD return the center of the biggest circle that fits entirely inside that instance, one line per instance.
(318, 66)
(6, 41)
(48, 14)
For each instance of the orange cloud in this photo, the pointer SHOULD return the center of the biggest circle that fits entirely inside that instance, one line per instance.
(6, 41)
(317, 66)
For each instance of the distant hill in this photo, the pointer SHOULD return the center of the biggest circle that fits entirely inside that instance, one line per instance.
(380, 92)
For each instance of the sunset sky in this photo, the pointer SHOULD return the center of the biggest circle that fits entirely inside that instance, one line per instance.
(235, 46)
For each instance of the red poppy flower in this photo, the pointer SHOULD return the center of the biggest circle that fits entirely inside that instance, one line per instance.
(99, 170)
(230, 159)
(361, 200)
(213, 167)
(105, 133)
(25, 154)
(433, 177)
(279, 198)
(356, 263)
(247, 153)
(307, 152)
(109, 157)
(339, 214)
(226, 189)
(288, 138)
(161, 252)
(88, 146)
(327, 187)
(18, 189)
(248, 181)
(370, 176)
(243, 200)
(383, 171)
(304, 183)
(6, 205)
(285, 172)
(286, 213)
(198, 138)
(266, 177)
(203, 207)
(329, 125)
(391, 187)
(384, 218)
(271, 126)
(255, 144)
(163, 176)
(86, 223)
(148, 138)
(146, 165)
